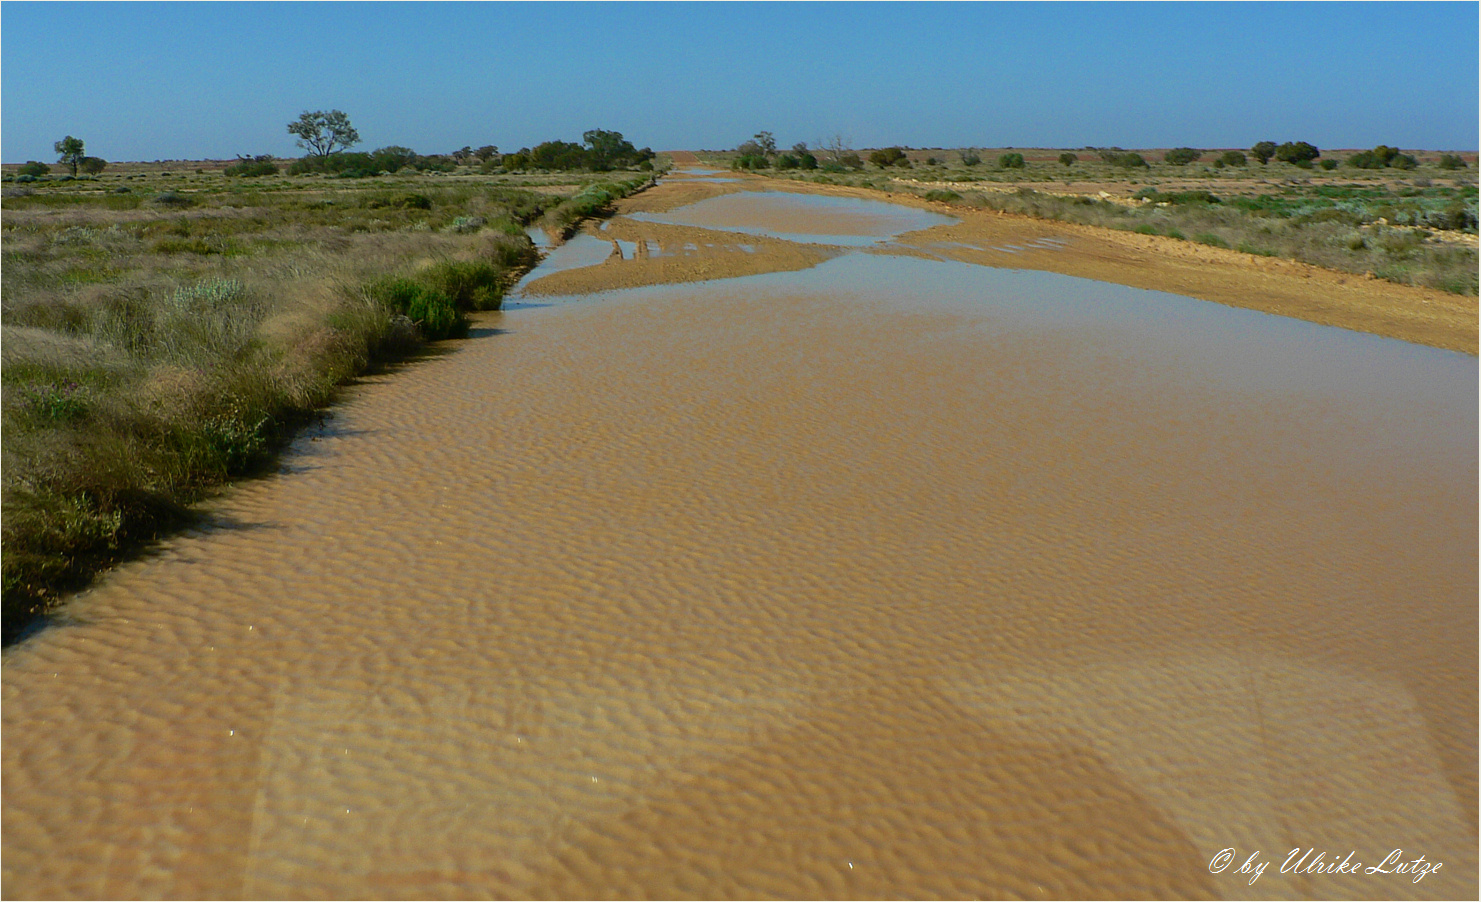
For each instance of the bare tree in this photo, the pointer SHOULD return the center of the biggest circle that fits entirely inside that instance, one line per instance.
(836, 146)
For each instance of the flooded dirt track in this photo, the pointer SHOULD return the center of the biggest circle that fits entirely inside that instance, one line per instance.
(879, 576)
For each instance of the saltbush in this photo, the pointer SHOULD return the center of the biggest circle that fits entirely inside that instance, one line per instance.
(34, 169)
(1011, 161)
(1182, 156)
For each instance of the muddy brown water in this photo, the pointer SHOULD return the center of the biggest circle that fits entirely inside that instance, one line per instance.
(889, 577)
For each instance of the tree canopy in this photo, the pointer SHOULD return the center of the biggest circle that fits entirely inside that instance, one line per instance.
(69, 151)
(323, 133)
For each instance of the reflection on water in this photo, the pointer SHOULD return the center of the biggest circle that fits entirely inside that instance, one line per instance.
(889, 577)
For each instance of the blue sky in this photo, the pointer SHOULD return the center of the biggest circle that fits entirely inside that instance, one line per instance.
(145, 81)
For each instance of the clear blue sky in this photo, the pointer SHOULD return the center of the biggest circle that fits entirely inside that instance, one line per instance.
(145, 81)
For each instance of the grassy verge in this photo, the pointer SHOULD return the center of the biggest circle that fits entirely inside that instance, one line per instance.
(163, 336)
(1415, 227)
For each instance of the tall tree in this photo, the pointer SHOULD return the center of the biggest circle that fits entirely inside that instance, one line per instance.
(323, 133)
(69, 151)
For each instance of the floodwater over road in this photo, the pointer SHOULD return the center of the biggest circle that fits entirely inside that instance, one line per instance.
(883, 577)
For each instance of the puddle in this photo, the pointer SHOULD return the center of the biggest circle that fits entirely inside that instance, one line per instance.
(887, 577)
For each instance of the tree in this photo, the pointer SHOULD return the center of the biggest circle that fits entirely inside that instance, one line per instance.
(486, 153)
(1297, 152)
(767, 142)
(1263, 151)
(608, 149)
(323, 133)
(836, 146)
(1068, 158)
(1182, 156)
(69, 152)
(94, 165)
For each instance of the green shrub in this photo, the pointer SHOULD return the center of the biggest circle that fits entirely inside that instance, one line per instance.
(93, 165)
(1329, 165)
(173, 199)
(887, 157)
(1126, 160)
(1451, 161)
(34, 169)
(1011, 161)
(1403, 161)
(470, 286)
(1233, 158)
(1068, 159)
(970, 158)
(942, 196)
(433, 312)
(1296, 152)
(1210, 239)
(787, 161)
(1182, 156)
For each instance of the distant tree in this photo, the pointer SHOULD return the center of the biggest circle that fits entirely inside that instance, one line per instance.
(805, 158)
(1263, 151)
(69, 152)
(1297, 152)
(1451, 161)
(1182, 156)
(34, 169)
(486, 153)
(93, 165)
(323, 133)
(608, 150)
(1233, 158)
(463, 154)
(392, 157)
(1010, 161)
(1068, 158)
(767, 142)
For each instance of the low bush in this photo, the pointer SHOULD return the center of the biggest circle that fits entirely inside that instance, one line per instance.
(1182, 156)
(468, 285)
(970, 158)
(1451, 161)
(34, 169)
(256, 166)
(942, 196)
(1011, 161)
(1233, 158)
(433, 313)
(887, 157)
(1068, 159)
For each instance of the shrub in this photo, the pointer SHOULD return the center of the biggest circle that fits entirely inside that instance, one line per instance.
(1068, 159)
(887, 157)
(469, 286)
(1329, 165)
(172, 199)
(1182, 156)
(1127, 160)
(34, 169)
(1263, 151)
(1403, 161)
(851, 161)
(787, 161)
(805, 160)
(1010, 161)
(431, 310)
(93, 165)
(256, 166)
(970, 158)
(25, 178)
(1296, 152)
(932, 161)
(1233, 158)
(751, 161)
(1451, 161)
(942, 196)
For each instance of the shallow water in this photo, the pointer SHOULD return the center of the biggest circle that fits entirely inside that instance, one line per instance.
(888, 577)
(808, 218)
